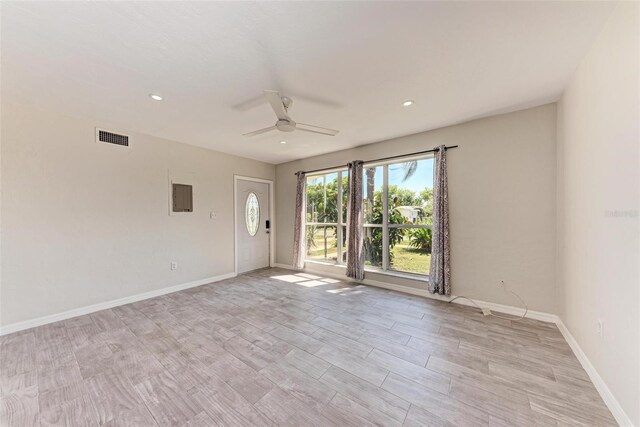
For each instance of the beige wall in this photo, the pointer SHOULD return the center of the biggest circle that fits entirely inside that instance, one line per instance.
(84, 223)
(598, 162)
(502, 203)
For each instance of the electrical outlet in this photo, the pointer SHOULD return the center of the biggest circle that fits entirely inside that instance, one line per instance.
(600, 328)
(174, 265)
(213, 215)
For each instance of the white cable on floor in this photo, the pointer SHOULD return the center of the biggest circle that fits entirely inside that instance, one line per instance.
(526, 308)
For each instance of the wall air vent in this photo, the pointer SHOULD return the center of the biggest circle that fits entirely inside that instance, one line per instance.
(108, 137)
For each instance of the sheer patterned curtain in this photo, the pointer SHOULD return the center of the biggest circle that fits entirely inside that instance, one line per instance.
(299, 229)
(355, 231)
(440, 271)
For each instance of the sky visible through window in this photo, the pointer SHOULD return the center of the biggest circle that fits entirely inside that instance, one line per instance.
(421, 179)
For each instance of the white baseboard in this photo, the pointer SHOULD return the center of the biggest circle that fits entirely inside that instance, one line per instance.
(506, 309)
(285, 266)
(621, 417)
(500, 308)
(27, 324)
(609, 399)
(511, 310)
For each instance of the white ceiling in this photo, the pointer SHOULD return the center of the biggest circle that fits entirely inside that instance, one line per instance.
(347, 65)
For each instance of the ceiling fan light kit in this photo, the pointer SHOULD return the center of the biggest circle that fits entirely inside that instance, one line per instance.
(280, 105)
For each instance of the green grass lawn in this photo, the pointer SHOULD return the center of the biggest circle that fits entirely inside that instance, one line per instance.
(317, 249)
(408, 259)
(404, 258)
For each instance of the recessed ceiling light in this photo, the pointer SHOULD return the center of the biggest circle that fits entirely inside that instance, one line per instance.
(155, 97)
(283, 142)
(408, 102)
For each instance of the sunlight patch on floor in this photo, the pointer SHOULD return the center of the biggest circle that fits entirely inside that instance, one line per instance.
(309, 280)
(290, 278)
(312, 283)
(344, 291)
(309, 276)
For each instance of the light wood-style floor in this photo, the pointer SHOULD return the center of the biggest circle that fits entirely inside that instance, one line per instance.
(278, 348)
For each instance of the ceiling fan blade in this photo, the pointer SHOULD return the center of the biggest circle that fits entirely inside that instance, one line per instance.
(317, 129)
(258, 132)
(273, 96)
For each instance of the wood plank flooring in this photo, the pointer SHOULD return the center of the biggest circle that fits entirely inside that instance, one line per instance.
(277, 348)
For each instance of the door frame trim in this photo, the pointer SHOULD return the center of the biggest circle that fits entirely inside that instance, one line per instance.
(272, 219)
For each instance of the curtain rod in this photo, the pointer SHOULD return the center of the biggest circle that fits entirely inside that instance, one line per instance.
(379, 160)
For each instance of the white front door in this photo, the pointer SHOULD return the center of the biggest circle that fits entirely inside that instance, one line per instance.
(252, 217)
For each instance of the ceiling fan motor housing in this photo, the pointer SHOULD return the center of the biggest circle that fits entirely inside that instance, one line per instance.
(286, 125)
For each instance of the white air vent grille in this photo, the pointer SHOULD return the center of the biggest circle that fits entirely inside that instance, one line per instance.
(111, 137)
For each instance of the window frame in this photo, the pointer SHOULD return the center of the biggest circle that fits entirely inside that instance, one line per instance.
(338, 225)
(385, 268)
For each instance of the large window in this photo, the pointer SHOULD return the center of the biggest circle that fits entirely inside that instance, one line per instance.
(397, 205)
(326, 216)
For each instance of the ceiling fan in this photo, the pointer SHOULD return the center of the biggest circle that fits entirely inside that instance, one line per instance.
(280, 106)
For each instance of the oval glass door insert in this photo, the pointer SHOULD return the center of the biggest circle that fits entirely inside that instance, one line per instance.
(252, 214)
